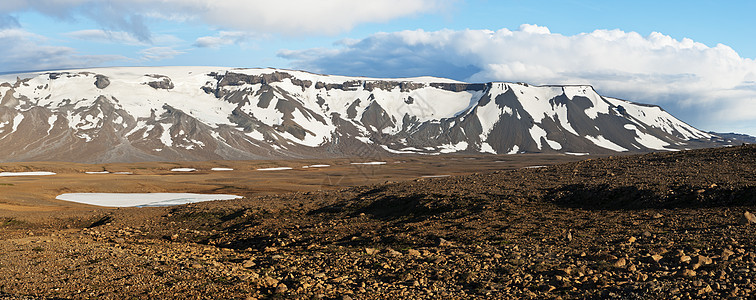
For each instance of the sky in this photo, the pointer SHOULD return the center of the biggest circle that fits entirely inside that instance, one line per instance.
(693, 58)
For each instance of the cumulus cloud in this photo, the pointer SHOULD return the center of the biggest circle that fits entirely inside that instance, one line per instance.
(712, 87)
(224, 38)
(290, 17)
(24, 51)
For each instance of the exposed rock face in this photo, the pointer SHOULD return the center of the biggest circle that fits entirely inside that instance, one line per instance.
(163, 82)
(102, 81)
(205, 113)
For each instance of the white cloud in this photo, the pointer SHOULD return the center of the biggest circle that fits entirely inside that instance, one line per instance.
(225, 38)
(160, 53)
(299, 17)
(99, 35)
(290, 17)
(120, 37)
(711, 87)
(24, 51)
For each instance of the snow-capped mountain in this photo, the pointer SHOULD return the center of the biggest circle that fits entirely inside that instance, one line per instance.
(205, 113)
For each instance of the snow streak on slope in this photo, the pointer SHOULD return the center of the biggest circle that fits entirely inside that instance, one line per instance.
(201, 113)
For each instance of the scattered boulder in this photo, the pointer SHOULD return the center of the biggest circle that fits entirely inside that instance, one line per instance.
(444, 243)
(620, 263)
(707, 289)
(748, 218)
(270, 281)
(281, 288)
(686, 273)
(684, 259)
(703, 260)
(726, 253)
(248, 263)
(392, 252)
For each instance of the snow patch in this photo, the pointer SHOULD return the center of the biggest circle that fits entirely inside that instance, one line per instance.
(515, 150)
(398, 151)
(577, 154)
(141, 199)
(316, 166)
(486, 148)
(51, 121)
(165, 137)
(275, 169)
(16, 121)
(449, 148)
(602, 142)
(183, 170)
(647, 140)
(14, 174)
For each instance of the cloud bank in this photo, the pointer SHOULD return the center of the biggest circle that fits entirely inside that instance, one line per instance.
(25, 51)
(289, 17)
(711, 87)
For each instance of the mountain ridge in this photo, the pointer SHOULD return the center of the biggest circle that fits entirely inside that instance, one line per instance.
(205, 113)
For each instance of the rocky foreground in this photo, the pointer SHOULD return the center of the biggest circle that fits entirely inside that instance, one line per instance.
(653, 226)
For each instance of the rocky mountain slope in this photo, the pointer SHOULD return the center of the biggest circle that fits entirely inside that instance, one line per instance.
(206, 113)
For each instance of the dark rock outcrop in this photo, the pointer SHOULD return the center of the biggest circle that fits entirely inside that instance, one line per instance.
(101, 81)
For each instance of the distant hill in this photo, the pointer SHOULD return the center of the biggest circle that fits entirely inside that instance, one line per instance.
(736, 137)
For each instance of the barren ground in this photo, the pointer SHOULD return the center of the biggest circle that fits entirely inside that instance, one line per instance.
(652, 226)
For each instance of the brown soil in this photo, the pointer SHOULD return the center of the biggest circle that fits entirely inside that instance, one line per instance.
(653, 226)
(37, 193)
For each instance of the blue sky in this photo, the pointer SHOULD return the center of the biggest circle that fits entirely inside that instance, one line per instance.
(694, 58)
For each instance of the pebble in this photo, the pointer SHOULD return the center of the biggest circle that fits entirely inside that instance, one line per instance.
(392, 252)
(281, 288)
(703, 260)
(248, 263)
(444, 243)
(684, 259)
(687, 273)
(269, 281)
(620, 263)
